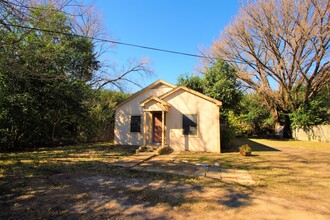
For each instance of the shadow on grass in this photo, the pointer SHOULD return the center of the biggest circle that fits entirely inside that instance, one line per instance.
(237, 142)
(33, 187)
(71, 153)
(236, 199)
(85, 190)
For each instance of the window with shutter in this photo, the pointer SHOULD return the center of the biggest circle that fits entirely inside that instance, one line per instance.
(189, 124)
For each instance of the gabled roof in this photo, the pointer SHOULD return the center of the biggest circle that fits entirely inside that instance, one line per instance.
(151, 98)
(218, 103)
(155, 84)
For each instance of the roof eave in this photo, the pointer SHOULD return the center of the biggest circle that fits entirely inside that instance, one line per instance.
(143, 90)
(216, 102)
(154, 98)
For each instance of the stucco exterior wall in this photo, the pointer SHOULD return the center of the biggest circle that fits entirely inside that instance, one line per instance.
(208, 129)
(122, 132)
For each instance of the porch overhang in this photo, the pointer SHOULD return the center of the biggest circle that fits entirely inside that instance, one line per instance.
(154, 104)
(150, 105)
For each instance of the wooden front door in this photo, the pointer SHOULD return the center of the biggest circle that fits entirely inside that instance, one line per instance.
(157, 127)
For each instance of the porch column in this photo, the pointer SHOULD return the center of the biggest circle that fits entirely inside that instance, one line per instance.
(163, 128)
(144, 128)
(149, 130)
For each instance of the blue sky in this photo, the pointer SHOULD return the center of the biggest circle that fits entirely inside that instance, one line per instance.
(178, 25)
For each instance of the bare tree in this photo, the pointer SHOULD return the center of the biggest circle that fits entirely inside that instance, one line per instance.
(280, 49)
(130, 73)
(84, 21)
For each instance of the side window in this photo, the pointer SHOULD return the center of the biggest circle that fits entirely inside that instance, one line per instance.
(189, 124)
(135, 123)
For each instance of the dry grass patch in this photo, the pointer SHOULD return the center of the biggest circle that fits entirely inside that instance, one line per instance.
(79, 182)
(281, 166)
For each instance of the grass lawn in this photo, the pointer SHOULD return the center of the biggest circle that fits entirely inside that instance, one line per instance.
(275, 163)
(292, 181)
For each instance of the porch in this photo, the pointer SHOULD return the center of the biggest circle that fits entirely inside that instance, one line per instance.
(154, 121)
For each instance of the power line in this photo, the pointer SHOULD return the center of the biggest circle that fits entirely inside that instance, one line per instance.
(39, 8)
(114, 42)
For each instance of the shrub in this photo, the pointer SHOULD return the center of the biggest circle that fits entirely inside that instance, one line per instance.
(245, 150)
(164, 150)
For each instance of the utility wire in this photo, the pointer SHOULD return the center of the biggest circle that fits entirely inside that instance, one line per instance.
(40, 8)
(114, 42)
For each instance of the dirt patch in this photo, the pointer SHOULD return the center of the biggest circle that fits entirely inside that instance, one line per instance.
(82, 195)
(60, 185)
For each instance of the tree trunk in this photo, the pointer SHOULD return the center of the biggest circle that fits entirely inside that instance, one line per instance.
(287, 132)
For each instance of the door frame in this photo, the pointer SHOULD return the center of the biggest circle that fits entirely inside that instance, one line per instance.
(159, 114)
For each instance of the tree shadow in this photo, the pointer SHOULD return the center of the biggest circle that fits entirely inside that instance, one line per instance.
(85, 189)
(73, 189)
(237, 142)
(236, 199)
(33, 188)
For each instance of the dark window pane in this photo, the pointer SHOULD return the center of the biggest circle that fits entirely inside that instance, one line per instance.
(135, 123)
(189, 124)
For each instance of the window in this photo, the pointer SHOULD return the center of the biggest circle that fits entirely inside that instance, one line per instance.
(135, 123)
(189, 124)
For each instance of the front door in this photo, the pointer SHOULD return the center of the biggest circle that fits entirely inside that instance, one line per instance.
(157, 127)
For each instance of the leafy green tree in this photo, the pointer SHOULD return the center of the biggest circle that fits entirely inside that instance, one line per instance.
(102, 114)
(43, 90)
(314, 113)
(192, 82)
(238, 125)
(256, 115)
(219, 82)
(50, 72)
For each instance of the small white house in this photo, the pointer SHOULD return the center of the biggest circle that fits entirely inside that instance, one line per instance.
(165, 114)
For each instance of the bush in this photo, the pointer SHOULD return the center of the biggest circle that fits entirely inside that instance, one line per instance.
(245, 150)
(164, 150)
